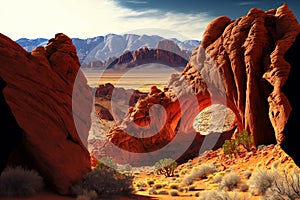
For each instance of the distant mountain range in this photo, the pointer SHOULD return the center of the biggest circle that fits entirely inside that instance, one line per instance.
(110, 47)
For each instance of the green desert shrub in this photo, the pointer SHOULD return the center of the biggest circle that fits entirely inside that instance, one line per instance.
(166, 166)
(285, 187)
(230, 181)
(20, 182)
(261, 180)
(245, 139)
(230, 147)
(105, 181)
(107, 161)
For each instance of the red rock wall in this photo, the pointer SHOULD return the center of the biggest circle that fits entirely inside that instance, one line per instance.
(39, 92)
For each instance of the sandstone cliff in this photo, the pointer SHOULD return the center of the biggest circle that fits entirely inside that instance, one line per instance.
(39, 91)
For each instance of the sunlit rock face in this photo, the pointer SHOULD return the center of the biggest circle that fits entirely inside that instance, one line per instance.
(39, 92)
(255, 57)
(240, 64)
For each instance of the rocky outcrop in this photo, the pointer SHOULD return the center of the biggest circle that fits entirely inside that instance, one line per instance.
(249, 54)
(240, 64)
(166, 52)
(45, 105)
(107, 95)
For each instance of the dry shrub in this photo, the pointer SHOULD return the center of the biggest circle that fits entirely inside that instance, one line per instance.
(105, 181)
(20, 182)
(202, 172)
(261, 180)
(230, 181)
(285, 187)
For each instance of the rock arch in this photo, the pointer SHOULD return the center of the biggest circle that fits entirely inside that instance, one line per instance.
(240, 63)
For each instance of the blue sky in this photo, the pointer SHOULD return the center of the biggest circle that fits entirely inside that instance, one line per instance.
(183, 19)
(231, 8)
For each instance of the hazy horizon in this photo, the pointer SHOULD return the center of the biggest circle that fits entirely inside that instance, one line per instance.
(140, 78)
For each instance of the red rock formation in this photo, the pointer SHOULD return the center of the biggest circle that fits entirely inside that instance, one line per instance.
(39, 93)
(105, 91)
(166, 52)
(241, 64)
(250, 56)
(107, 94)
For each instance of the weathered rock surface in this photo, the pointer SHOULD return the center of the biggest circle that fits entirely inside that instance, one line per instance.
(39, 93)
(249, 54)
(240, 64)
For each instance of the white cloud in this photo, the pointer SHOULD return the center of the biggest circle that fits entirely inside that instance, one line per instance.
(89, 18)
(247, 3)
(136, 2)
